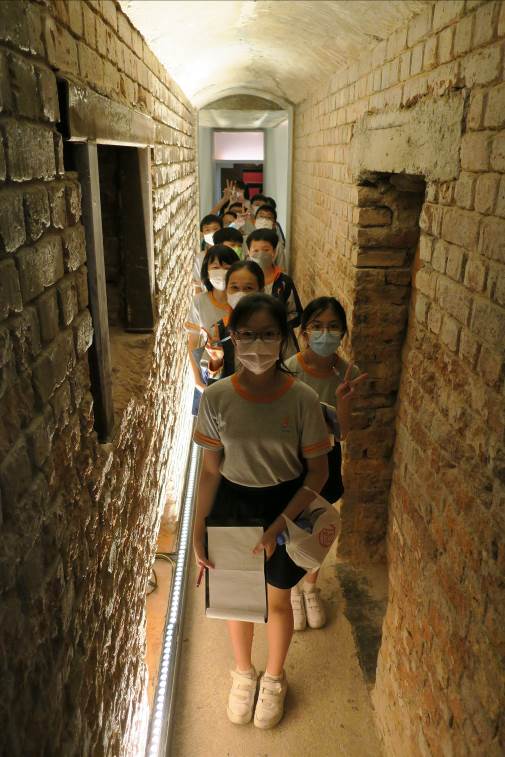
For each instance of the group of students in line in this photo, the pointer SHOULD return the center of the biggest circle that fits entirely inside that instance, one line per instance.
(261, 390)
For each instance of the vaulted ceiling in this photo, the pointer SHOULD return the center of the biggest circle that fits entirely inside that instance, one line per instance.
(270, 48)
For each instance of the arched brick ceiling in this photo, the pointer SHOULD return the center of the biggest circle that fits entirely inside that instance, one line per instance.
(277, 48)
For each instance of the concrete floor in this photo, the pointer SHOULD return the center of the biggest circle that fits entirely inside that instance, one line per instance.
(328, 709)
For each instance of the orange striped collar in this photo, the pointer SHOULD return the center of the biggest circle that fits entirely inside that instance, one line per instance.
(220, 305)
(313, 371)
(277, 273)
(261, 397)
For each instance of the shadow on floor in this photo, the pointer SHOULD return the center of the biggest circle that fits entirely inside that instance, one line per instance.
(365, 594)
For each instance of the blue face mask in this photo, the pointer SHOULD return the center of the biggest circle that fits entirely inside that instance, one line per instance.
(324, 343)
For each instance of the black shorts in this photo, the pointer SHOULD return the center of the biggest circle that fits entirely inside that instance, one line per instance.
(237, 505)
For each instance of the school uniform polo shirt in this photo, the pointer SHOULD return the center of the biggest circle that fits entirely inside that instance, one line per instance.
(291, 307)
(197, 264)
(264, 438)
(324, 383)
(204, 312)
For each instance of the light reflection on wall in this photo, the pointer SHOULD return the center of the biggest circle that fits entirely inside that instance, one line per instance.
(175, 448)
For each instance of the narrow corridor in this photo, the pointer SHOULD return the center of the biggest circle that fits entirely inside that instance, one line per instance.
(319, 720)
(372, 135)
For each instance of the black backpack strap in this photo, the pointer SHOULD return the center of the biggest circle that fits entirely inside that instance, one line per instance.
(282, 287)
(228, 350)
(221, 329)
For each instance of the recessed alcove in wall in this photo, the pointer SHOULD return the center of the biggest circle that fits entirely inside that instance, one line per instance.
(109, 146)
(385, 233)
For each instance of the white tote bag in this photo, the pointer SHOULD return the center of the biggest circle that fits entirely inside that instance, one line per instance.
(308, 550)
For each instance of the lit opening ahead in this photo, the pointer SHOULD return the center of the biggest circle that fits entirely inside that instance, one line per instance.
(239, 145)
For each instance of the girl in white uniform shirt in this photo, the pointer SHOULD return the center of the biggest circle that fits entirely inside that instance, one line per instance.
(208, 307)
(265, 453)
(242, 278)
(208, 227)
(323, 326)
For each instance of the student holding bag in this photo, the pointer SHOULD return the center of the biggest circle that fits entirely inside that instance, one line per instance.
(265, 453)
(323, 326)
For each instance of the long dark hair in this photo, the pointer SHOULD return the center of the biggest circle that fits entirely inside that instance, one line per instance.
(318, 306)
(252, 267)
(249, 305)
(222, 254)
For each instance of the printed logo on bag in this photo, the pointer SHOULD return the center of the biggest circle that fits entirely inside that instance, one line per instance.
(327, 536)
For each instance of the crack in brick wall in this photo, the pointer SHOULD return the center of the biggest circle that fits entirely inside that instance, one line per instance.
(78, 520)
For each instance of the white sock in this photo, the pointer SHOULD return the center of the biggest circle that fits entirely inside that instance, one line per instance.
(274, 678)
(308, 587)
(250, 672)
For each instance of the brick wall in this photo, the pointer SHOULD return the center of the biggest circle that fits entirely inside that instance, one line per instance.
(78, 520)
(439, 684)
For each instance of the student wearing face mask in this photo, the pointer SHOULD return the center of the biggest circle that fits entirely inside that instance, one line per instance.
(245, 277)
(260, 201)
(229, 219)
(278, 227)
(256, 203)
(206, 308)
(231, 237)
(241, 222)
(262, 245)
(266, 218)
(208, 226)
(265, 453)
(320, 366)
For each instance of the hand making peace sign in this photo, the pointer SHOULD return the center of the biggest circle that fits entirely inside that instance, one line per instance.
(347, 388)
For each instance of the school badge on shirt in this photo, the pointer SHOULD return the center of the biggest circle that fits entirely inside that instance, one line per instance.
(285, 424)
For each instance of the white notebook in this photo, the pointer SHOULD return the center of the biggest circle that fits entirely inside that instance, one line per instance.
(236, 586)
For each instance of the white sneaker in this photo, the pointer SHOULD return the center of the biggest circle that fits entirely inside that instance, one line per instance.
(270, 704)
(241, 696)
(314, 608)
(299, 615)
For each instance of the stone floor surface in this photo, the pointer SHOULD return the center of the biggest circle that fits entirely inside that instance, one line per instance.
(328, 709)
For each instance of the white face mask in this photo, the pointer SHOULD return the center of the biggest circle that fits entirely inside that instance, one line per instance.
(217, 277)
(263, 259)
(234, 297)
(263, 223)
(258, 356)
(209, 238)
